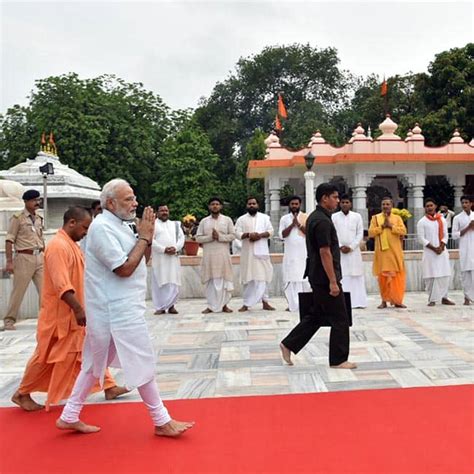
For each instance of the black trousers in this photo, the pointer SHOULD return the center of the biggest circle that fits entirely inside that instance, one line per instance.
(335, 308)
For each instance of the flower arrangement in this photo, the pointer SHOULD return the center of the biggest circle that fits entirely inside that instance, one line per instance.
(189, 225)
(405, 214)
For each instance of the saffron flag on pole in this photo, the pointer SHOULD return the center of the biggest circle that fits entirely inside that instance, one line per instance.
(383, 88)
(278, 126)
(281, 107)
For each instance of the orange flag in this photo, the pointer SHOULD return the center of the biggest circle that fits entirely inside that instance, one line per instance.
(278, 126)
(281, 107)
(384, 88)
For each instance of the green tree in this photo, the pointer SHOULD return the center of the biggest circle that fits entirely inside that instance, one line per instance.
(186, 171)
(104, 128)
(239, 187)
(310, 79)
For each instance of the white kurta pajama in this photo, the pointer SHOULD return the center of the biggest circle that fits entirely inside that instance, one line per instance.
(466, 251)
(256, 269)
(350, 232)
(294, 260)
(166, 269)
(117, 333)
(436, 269)
(216, 265)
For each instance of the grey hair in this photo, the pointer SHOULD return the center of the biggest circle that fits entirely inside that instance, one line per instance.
(109, 190)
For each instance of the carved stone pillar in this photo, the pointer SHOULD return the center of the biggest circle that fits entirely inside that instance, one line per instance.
(359, 203)
(309, 191)
(418, 210)
(275, 217)
(458, 192)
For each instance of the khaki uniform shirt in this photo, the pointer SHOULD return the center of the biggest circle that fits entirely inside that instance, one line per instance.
(24, 233)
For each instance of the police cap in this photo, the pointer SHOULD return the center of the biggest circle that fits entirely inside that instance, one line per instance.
(30, 194)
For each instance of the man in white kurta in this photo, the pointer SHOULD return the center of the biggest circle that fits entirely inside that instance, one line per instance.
(292, 231)
(115, 291)
(254, 229)
(432, 234)
(168, 240)
(215, 233)
(350, 232)
(463, 230)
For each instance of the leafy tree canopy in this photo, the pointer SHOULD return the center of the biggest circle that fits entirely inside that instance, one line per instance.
(186, 176)
(104, 128)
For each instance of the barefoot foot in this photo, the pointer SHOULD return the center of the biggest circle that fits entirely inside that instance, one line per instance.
(266, 306)
(78, 426)
(113, 392)
(26, 402)
(400, 306)
(243, 309)
(159, 311)
(173, 428)
(345, 365)
(206, 311)
(448, 302)
(226, 309)
(431, 303)
(286, 354)
(382, 305)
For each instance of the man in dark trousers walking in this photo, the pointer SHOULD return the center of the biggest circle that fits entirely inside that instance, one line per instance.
(324, 272)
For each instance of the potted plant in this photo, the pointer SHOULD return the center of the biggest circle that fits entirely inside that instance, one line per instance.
(191, 247)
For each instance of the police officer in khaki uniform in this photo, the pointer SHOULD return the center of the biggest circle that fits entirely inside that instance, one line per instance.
(25, 233)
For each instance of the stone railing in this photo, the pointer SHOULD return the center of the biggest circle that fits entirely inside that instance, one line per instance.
(192, 287)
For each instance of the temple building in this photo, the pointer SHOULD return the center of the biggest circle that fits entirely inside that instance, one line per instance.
(369, 169)
(65, 186)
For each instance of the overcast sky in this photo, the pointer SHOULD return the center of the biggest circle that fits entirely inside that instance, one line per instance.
(181, 49)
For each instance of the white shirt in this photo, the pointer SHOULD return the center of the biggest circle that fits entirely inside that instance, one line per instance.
(166, 268)
(466, 242)
(350, 231)
(294, 256)
(251, 267)
(434, 265)
(115, 306)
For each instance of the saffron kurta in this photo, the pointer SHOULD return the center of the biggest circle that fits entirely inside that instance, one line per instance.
(56, 361)
(387, 258)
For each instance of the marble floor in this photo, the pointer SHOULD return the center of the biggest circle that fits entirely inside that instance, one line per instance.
(218, 355)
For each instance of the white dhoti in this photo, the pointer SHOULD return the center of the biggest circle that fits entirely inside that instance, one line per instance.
(255, 291)
(437, 288)
(218, 293)
(355, 285)
(292, 288)
(467, 280)
(165, 296)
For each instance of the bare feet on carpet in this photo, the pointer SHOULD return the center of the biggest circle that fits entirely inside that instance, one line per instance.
(382, 305)
(448, 302)
(159, 311)
(243, 309)
(345, 365)
(173, 310)
(26, 402)
(78, 426)
(226, 309)
(266, 306)
(206, 311)
(113, 392)
(173, 428)
(286, 354)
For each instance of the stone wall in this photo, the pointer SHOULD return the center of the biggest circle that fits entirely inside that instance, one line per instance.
(192, 287)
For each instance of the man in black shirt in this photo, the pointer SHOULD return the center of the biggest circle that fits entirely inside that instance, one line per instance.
(323, 269)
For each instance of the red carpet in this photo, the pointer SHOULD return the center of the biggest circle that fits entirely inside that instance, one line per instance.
(426, 430)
